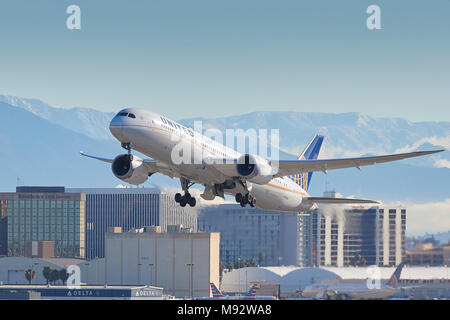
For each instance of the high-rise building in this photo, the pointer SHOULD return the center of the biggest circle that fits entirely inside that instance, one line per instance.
(42, 214)
(129, 208)
(340, 236)
(271, 238)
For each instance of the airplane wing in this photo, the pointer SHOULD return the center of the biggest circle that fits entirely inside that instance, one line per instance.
(290, 167)
(338, 200)
(97, 158)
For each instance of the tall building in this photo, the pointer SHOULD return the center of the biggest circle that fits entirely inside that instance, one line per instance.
(271, 238)
(183, 263)
(337, 236)
(42, 214)
(129, 208)
(3, 227)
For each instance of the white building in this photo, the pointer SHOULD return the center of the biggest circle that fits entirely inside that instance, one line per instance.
(430, 281)
(334, 235)
(182, 263)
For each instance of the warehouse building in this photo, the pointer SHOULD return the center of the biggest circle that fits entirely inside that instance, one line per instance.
(184, 263)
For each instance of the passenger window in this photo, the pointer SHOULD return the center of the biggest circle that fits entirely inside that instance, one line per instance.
(131, 115)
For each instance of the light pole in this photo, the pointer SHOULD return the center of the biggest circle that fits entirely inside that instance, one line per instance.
(239, 274)
(151, 273)
(139, 273)
(191, 267)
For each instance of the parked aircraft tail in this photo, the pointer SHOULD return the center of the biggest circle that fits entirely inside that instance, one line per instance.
(215, 292)
(395, 278)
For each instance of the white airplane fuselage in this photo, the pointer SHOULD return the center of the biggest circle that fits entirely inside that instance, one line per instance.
(156, 136)
(352, 290)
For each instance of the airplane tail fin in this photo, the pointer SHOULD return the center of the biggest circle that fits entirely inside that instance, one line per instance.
(395, 278)
(215, 292)
(252, 291)
(311, 152)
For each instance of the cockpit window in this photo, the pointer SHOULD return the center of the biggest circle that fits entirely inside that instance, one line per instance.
(131, 115)
(123, 114)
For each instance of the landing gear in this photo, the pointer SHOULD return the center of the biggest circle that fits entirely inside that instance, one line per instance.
(127, 146)
(185, 199)
(243, 200)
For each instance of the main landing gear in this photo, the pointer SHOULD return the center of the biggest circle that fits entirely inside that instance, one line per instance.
(245, 199)
(185, 199)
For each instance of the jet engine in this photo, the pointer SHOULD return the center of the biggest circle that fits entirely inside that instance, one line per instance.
(254, 169)
(129, 168)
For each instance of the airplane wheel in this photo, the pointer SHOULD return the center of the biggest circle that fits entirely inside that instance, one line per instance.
(192, 202)
(238, 197)
(183, 202)
(187, 196)
(177, 197)
(245, 199)
(251, 204)
(242, 203)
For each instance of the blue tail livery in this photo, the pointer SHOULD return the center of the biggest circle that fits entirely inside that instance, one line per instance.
(311, 152)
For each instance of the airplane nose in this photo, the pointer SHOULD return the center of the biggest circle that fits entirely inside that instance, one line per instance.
(115, 127)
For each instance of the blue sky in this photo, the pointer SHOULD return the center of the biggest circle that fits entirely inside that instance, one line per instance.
(224, 57)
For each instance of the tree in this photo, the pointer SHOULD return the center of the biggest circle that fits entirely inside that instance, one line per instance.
(230, 265)
(63, 275)
(54, 276)
(46, 273)
(30, 274)
(253, 263)
(358, 261)
(261, 257)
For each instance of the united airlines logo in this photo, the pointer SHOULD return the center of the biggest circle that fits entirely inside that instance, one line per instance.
(302, 178)
(177, 126)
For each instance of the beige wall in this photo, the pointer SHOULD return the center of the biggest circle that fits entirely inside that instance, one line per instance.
(164, 260)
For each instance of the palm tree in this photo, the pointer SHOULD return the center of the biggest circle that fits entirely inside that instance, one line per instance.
(63, 275)
(46, 273)
(30, 274)
(230, 265)
(358, 261)
(261, 257)
(54, 276)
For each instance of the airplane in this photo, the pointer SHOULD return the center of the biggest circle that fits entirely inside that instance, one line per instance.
(357, 290)
(251, 295)
(251, 179)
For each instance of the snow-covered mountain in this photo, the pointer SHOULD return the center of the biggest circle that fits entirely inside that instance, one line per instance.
(40, 145)
(87, 121)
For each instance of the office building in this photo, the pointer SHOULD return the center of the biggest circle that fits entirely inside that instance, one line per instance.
(427, 255)
(42, 214)
(270, 238)
(356, 235)
(184, 263)
(129, 208)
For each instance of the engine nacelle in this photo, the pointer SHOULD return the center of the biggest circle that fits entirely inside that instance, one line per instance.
(254, 169)
(129, 168)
